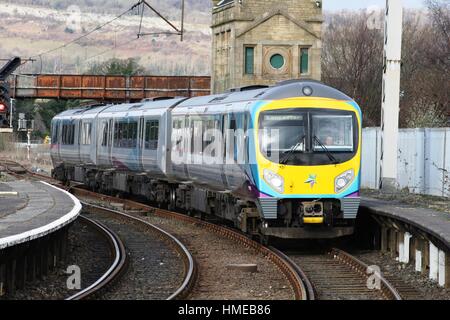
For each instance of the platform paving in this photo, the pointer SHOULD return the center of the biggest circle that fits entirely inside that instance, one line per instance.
(35, 211)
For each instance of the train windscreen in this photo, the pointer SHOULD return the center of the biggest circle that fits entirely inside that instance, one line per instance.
(301, 136)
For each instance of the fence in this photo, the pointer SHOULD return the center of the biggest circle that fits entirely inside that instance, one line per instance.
(423, 160)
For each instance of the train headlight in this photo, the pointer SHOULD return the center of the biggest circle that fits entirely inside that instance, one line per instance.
(274, 180)
(343, 180)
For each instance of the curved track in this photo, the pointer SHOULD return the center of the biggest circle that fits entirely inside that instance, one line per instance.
(119, 260)
(331, 275)
(135, 244)
(119, 255)
(293, 274)
(337, 275)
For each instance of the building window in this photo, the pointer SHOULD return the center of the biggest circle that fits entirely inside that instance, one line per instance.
(151, 134)
(249, 60)
(304, 60)
(277, 61)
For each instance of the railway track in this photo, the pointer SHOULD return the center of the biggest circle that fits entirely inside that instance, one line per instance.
(331, 275)
(299, 283)
(118, 257)
(337, 275)
(144, 243)
(154, 258)
(391, 273)
(301, 287)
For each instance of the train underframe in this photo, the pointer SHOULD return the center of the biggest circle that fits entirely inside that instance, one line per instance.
(296, 218)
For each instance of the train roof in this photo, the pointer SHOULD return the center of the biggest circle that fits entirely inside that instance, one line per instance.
(282, 90)
(124, 107)
(145, 105)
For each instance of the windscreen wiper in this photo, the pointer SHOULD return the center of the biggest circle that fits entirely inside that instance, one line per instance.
(287, 154)
(330, 156)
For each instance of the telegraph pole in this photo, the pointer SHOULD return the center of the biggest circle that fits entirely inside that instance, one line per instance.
(391, 95)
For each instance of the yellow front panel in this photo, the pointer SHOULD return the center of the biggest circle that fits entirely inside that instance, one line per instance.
(308, 180)
(313, 220)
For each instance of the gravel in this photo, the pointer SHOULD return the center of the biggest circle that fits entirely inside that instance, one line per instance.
(155, 270)
(213, 253)
(410, 284)
(86, 249)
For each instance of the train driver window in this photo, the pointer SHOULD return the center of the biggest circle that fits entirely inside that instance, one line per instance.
(333, 131)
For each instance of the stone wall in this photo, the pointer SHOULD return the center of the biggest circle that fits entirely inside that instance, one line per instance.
(272, 27)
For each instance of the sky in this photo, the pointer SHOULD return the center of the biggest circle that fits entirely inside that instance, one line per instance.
(363, 4)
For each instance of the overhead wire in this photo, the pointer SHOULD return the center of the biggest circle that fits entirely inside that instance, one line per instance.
(88, 33)
(142, 3)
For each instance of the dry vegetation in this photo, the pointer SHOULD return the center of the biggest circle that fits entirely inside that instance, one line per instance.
(31, 27)
(352, 51)
(353, 62)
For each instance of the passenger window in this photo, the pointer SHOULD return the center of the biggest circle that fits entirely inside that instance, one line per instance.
(208, 125)
(86, 133)
(68, 134)
(152, 134)
(55, 132)
(125, 134)
(105, 134)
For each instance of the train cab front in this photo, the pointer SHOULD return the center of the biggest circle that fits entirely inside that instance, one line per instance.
(308, 168)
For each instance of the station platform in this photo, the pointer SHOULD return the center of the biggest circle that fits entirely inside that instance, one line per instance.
(30, 210)
(415, 235)
(432, 222)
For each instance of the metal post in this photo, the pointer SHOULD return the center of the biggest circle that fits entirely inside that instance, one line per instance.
(11, 111)
(182, 20)
(28, 144)
(391, 95)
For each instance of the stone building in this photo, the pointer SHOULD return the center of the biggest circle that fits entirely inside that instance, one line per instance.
(264, 41)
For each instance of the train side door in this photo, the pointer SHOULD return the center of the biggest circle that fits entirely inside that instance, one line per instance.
(102, 150)
(234, 151)
(141, 143)
(110, 137)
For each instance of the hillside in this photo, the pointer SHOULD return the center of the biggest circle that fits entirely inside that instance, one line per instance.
(30, 27)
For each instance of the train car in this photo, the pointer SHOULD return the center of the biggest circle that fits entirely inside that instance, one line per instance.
(281, 161)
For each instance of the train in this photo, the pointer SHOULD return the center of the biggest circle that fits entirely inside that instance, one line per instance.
(279, 161)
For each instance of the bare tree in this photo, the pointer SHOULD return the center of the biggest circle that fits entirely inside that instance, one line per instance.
(353, 60)
(425, 68)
